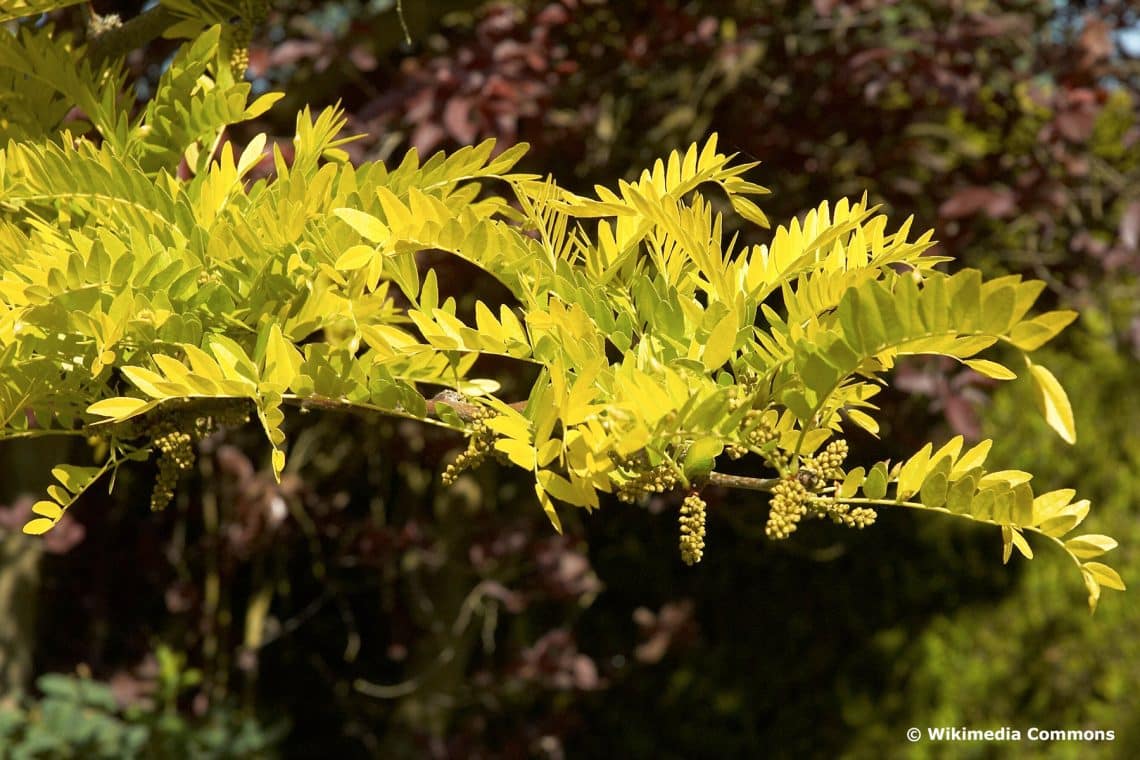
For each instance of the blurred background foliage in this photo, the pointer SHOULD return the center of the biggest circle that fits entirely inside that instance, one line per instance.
(358, 609)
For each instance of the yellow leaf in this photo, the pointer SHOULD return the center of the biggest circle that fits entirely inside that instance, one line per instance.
(48, 509)
(1093, 588)
(719, 346)
(1010, 478)
(1050, 504)
(117, 408)
(479, 386)
(38, 526)
(252, 154)
(914, 472)
(548, 451)
(1104, 575)
(202, 363)
(1054, 403)
(282, 360)
(232, 357)
(971, 459)
(864, 420)
(370, 228)
(174, 370)
(1067, 519)
(1034, 333)
(146, 381)
(1091, 545)
(951, 449)
(355, 257)
(934, 490)
(1021, 544)
(579, 494)
(262, 104)
(749, 211)
(990, 369)
(548, 507)
(398, 215)
(510, 424)
(278, 463)
(520, 453)
(851, 483)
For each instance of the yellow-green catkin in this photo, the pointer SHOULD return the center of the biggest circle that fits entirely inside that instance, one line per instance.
(646, 480)
(479, 445)
(175, 456)
(788, 506)
(253, 12)
(692, 521)
(829, 463)
(804, 493)
(174, 435)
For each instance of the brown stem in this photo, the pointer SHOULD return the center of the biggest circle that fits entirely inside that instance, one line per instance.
(467, 412)
(741, 481)
(132, 34)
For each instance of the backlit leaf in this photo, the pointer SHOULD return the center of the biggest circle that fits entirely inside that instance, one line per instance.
(1105, 575)
(1090, 545)
(48, 509)
(719, 346)
(370, 228)
(990, 369)
(875, 486)
(1053, 403)
(39, 526)
(355, 257)
(117, 408)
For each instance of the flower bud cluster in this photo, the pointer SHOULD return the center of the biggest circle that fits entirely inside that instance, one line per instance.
(642, 482)
(805, 492)
(480, 444)
(251, 12)
(789, 504)
(174, 434)
(692, 528)
(844, 514)
(239, 56)
(747, 383)
(760, 434)
(829, 463)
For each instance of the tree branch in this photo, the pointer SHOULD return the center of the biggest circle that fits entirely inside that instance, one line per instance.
(131, 34)
(742, 482)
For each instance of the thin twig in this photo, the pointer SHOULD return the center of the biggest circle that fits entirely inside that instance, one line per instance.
(742, 482)
(132, 34)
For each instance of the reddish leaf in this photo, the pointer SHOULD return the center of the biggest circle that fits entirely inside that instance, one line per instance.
(457, 119)
(996, 203)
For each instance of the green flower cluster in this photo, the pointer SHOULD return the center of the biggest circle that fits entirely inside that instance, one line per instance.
(829, 463)
(759, 434)
(692, 528)
(639, 483)
(805, 493)
(175, 433)
(252, 13)
(480, 444)
(788, 506)
(852, 517)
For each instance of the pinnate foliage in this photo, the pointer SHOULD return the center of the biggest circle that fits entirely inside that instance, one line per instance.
(151, 288)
